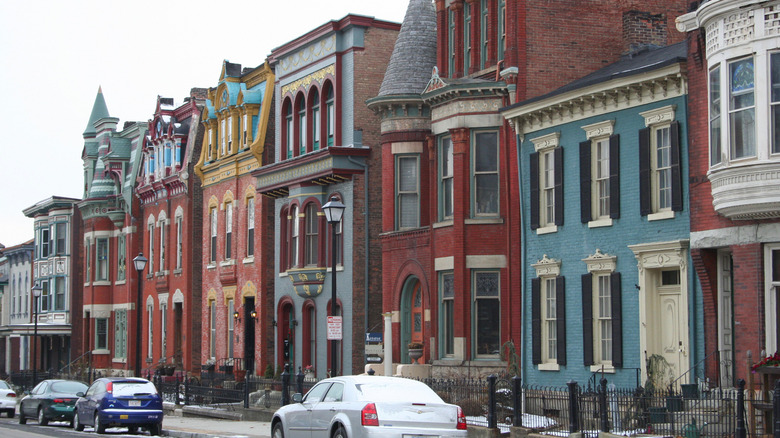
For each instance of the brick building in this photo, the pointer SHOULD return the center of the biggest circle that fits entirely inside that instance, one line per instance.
(236, 263)
(734, 72)
(325, 147)
(171, 226)
(452, 230)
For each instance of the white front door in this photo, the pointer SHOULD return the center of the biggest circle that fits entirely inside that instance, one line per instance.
(665, 336)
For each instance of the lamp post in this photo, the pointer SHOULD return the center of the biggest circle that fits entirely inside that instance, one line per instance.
(36, 291)
(334, 210)
(140, 264)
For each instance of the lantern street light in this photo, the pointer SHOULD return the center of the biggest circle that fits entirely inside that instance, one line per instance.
(36, 291)
(140, 264)
(334, 210)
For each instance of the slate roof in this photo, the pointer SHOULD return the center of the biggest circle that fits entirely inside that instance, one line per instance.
(414, 54)
(99, 111)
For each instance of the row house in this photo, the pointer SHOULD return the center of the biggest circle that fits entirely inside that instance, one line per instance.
(452, 196)
(170, 217)
(734, 68)
(326, 149)
(57, 225)
(16, 330)
(236, 284)
(110, 238)
(608, 280)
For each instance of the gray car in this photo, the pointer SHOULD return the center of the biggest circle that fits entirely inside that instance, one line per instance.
(368, 406)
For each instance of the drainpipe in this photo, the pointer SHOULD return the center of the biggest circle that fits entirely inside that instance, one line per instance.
(523, 246)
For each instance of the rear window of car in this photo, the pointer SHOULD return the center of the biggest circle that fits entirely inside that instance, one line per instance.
(4, 385)
(133, 388)
(397, 392)
(68, 387)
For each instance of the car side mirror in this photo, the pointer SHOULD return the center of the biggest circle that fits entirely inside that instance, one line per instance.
(80, 394)
(297, 397)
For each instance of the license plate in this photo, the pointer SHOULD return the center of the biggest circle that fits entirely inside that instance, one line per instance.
(123, 417)
(134, 403)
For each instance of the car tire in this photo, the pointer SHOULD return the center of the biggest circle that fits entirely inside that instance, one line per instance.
(155, 429)
(132, 429)
(340, 432)
(42, 420)
(76, 423)
(22, 418)
(278, 431)
(11, 413)
(99, 426)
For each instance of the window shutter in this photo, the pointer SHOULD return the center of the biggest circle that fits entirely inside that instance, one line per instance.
(560, 317)
(585, 182)
(536, 319)
(534, 183)
(614, 176)
(587, 318)
(645, 195)
(674, 136)
(617, 319)
(558, 157)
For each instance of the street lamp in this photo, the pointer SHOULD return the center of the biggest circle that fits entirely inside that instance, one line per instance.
(334, 210)
(140, 264)
(36, 291)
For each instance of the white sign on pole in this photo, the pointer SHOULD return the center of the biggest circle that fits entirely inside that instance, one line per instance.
(334, 328)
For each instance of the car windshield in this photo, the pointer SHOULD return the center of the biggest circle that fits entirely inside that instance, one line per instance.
(133, 388)
(4, 385)
(397, 392)
(68, 387)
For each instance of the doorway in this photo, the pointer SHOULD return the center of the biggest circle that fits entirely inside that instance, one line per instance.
(726, 318)
(177, 334)
(413, 310)
(249, 335)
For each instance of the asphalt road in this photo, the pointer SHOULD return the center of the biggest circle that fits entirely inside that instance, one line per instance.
(10, 427)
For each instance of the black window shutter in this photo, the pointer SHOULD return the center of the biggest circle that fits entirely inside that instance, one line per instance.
(645, 195)
(534, 183)
(587, 318)
(674, 136)
(585, 182)
(617, 319)
(560, 318)
(536, 319)
(558, 157)
(614, 176)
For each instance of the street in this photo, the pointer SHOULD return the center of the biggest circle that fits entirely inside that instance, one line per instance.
(10, 427)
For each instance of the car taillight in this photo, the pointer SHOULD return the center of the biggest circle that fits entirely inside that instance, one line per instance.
(11, 394)
(110, 387)
(59, 400)
(461, 420)
(368, 415)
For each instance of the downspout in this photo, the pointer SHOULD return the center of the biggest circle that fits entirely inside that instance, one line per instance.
(365, 244)
(523, 248)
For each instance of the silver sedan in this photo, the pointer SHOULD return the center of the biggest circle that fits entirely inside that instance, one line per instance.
(369, 406)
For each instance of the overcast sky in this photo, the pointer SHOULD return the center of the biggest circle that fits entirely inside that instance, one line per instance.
(54, 54)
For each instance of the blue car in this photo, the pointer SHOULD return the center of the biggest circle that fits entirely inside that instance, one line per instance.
(120, 402)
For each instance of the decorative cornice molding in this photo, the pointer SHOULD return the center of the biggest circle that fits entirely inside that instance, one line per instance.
(599, 262)
(547, 267)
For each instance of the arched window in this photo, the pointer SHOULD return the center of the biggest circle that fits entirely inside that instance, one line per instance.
(294, 229)
(312, 235)
(309, 335)
(288, 133)
(315, 119)
(284, 237)
(301, 125)
(330, 115)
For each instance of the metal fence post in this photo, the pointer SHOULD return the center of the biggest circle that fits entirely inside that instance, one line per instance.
(186, 392)
(285, 386)
(603, 420)
(299, 381)
(574, 414)
(246, 392)
(491, 415)
(776, 409)
(741, 432)
(517, 400)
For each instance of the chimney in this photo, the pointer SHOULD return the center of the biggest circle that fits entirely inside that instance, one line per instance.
(642, 31)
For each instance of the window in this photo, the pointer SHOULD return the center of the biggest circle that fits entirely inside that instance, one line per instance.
(250, 227)
(294, 229)
(302, 126)
(548, 188)
(213, 227)
(660, 174)
(101, 333)
(447, 288)
(312, 235)
(487, 309)
(211, 146)
(244, 125)
(230, 135)
(231, 327)
(62, 234)
(407, 191)
(485, 168)
(164, 330)
(223, 130)
(546, 183)
(88, 256)
(179, 240)
(309, 334)
(150, 330)
(44, 242)
(501, 28)
(775, 102)
(466, 38)
(101, 259)
(600, 176)
(446, 173)
(120, 333)
(484, 36)
(715, 140)
(289, 132)
(602, 332)
(548, 321)
(315, 121)
(162, 245)
(121, 258)
(451, 43)
(151, 248)
(330, 110)
(59, 293)
(213, 329)
(228, 230)
(45, 299)
(742, 110)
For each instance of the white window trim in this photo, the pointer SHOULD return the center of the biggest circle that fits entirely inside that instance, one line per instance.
(546, 268)
(599, 264)
(655, 119)
(544, 145)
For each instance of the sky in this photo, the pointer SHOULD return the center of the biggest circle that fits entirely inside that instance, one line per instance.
(55, 54)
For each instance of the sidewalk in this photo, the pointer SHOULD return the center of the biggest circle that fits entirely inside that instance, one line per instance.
(200, 427)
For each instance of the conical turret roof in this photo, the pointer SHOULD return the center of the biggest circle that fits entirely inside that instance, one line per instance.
(414, 55)
(99, 111)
